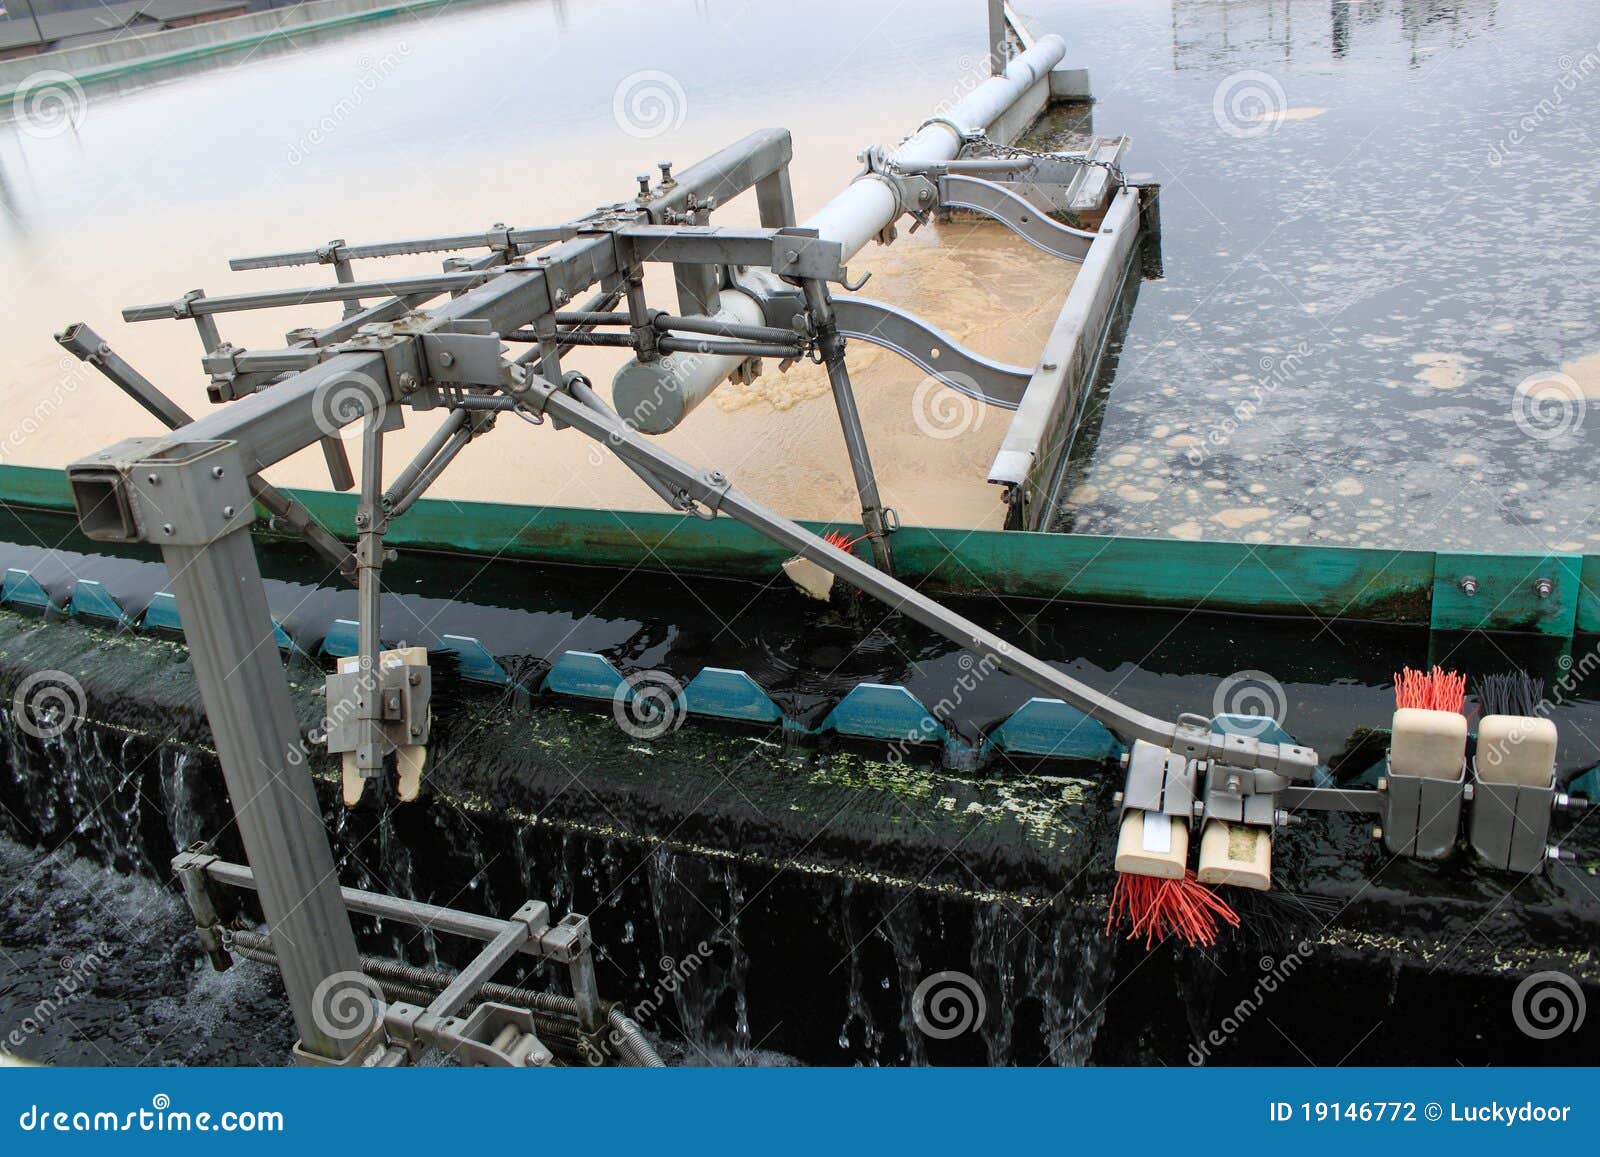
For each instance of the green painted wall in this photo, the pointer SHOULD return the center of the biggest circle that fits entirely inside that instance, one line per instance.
(1326, 581)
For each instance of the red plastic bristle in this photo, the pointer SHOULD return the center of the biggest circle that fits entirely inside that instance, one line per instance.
(1436, 690)
(839, 539)
(1158, 908)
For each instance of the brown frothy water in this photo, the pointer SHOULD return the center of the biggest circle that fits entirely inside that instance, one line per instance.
(777, 438)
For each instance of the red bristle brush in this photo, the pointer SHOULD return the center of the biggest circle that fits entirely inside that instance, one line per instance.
(1436, 690)
(1157, 908)
(840, 539)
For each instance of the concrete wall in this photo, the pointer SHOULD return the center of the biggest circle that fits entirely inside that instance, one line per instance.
(172, 46)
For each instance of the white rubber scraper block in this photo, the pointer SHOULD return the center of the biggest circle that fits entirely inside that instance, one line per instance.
(813, 581)
(1518, 749)
(1430, 744)
(1152, 844)
(1236, 854)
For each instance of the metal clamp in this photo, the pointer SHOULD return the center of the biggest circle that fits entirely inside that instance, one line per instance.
(1421, 815)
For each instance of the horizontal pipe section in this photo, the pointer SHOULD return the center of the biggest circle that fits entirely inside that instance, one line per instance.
(863, 210)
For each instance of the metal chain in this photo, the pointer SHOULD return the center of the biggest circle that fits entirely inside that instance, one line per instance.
(979, 137)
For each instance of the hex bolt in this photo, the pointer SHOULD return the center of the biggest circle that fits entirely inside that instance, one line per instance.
(447, 359)
(666, 172)
(1543, 587)
(644, 184)
(1468, 585)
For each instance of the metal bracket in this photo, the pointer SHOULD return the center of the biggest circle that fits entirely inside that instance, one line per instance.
(1017, 214)
(932, 351)
(464, 359)
(1421, 816)
(790, 252)
(1509, 824)
(170, 494)
(404, 689)
(1159, 781)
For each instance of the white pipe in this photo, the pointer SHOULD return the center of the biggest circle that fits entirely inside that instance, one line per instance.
(653, 397)
(666, 390)
(870, 203)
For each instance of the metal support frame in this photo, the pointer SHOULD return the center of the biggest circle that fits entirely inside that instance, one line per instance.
(878, 520)
(82, 342)
(495, 1033)
(224, 610)
(1016, 213)
(932, 351)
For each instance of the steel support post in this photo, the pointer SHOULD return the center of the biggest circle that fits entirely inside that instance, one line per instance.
(371, 521)
(999, 42)
(877, 520)
(775, 200)
(229, 630)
